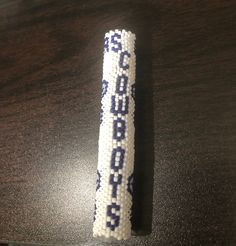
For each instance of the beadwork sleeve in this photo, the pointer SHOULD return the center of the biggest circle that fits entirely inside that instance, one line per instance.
(116, 138)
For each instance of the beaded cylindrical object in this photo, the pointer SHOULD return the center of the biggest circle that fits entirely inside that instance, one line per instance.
(116, 138)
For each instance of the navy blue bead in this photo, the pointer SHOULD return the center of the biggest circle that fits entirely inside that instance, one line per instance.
(104, 91)
(95, 211)
(113, 216)
(119, 131)
(101, 115)
(121, 61)
(120, 103)
(98, 182)
(121, 80)
(133, 91)
(115, 183)
(117, 153)
(106, 44)
(104, 87)
(130, 184)
(116, 44)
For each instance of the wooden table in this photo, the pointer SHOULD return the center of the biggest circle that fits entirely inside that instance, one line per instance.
(50, 84)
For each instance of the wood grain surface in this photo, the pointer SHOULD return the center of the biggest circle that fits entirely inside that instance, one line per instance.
(50, 84)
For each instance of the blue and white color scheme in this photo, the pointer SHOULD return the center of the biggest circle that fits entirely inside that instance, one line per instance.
(116, 138)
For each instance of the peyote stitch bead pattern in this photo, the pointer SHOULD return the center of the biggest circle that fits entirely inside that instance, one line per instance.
(116, 138)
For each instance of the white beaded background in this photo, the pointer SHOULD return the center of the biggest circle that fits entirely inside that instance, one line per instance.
(114, 199)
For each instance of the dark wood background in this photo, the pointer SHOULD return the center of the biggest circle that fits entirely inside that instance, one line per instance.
(50, 84)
